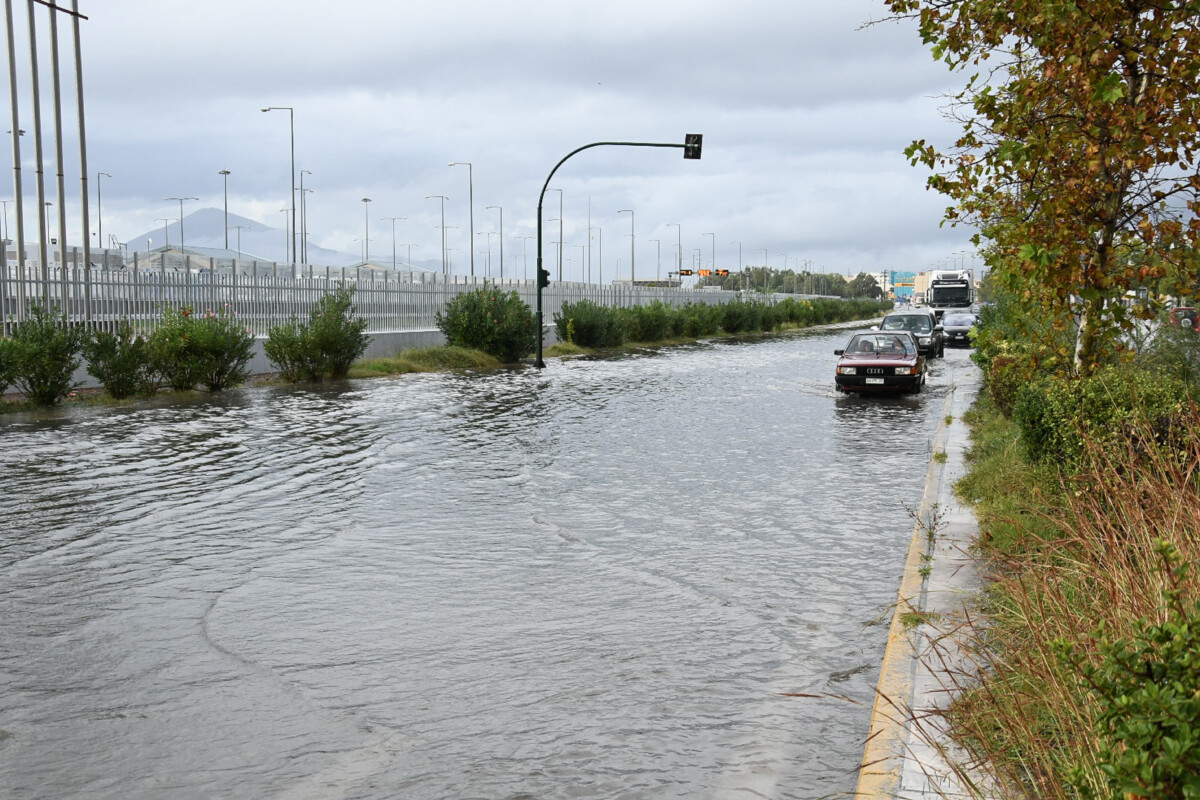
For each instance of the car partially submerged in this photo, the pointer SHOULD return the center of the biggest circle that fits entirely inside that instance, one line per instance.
(880, 361)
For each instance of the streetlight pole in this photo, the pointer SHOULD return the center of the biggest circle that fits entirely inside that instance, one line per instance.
(658, 267)
(304, 218)
(223, 173)
(239, 236)
(679, 232)
(501, 210)
(739, 244)
(393, 219)
(443, 227)
(560, 228)
(712, 264)
(471, 205)
(181, 242)
(525, 256)
(292, 132)
(766, 267)
(632, 240)
(366, 232)
(99, 210)
(166, 221)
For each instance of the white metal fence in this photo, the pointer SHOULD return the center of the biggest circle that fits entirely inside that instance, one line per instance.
(264, 294)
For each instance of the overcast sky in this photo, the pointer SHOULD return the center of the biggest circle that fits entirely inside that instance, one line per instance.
(805, 116)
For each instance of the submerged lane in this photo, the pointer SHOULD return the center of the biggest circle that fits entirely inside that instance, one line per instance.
(602, 579)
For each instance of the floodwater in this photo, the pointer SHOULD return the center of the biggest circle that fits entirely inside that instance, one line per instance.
(605, 579)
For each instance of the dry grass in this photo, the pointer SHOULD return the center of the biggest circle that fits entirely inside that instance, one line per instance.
(1089, 558)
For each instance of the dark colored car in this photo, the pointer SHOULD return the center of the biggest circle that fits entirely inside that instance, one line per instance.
(956, 328)
(923, 325)
(880, 361)
(1186, 317)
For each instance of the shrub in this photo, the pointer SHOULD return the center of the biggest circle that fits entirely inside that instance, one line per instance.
(1055, 416)
(495, 322)
(171, 351)
(651, 323)
(589, 325)
(120, 361)
(289, 348)
(45, 355)
(212, 350)
(337, 338)
(222, 348)
(7, 359)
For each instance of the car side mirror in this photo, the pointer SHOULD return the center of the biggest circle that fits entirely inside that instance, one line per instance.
(938, 327)
(874, 327)
(838, 352)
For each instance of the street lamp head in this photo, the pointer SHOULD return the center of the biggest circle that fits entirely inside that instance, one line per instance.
(222, 172)
(366, 199)
(105, 174)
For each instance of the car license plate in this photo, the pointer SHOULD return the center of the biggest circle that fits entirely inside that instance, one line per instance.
(875, 380)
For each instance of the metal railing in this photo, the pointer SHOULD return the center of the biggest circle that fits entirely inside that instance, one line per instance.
(265, 294)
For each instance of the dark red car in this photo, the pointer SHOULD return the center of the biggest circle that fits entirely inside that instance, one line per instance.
(1186, 317)
(880, 361)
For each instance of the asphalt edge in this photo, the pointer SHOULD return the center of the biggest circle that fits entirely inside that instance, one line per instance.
(881, 768)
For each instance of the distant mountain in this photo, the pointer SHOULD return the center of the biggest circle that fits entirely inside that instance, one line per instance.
(205, 228)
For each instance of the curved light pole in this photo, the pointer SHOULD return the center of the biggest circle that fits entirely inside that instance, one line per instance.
(393, 219)
(99, 211)
(632, 241)
(471, 204)
(443, 227)
(366, 232)
(223, 173)
(501, 210)
(292, 131)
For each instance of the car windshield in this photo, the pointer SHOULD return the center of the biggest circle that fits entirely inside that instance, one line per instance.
(959, 320)
(880, 344)
(909, 322)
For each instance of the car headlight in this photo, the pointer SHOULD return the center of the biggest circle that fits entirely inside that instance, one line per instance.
(847, 371)
(906, 371)
(925, 340)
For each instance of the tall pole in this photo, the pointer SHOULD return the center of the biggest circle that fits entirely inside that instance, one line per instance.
(16, 149)
(181, 242)
(60, 178)
(739, 244)
(525, 256)
(443, 198)
(679, 245)
(39, 176)
(99, 213)
(658, 267)
(166, 221)
(712, 264)
(393, 219)
(501, 210)
(366, 232)
(292, 135)
(304, 218)
(632, 239)
(224, 174)
(83, 165)
(471, 206)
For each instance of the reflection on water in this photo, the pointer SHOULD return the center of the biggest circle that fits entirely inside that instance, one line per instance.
(602, 579)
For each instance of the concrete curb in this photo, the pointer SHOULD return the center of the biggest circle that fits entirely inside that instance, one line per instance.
(905, 755)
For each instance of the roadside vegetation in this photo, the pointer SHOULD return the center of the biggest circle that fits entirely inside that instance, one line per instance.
(1077, 164)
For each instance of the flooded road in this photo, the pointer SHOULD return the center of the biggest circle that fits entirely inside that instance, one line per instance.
(599, 580)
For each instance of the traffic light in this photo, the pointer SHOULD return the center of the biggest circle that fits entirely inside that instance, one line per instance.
(685, 272)
(692, 143)
(704, 273)
(543, 278)
(724, 273)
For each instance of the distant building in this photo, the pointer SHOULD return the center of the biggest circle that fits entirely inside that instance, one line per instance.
(900, 285)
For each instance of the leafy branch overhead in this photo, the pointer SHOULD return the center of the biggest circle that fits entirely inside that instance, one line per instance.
(1078, 152)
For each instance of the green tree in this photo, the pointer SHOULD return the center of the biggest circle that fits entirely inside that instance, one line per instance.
(1081, 127)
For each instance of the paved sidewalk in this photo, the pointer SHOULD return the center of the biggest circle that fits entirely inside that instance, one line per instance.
(939, 585)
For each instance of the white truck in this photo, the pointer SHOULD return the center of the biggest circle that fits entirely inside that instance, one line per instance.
(950, 289)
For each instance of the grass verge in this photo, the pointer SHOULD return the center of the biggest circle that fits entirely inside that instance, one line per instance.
(1084, 570)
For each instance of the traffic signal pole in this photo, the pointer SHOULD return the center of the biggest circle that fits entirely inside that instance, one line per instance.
(692, 143)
